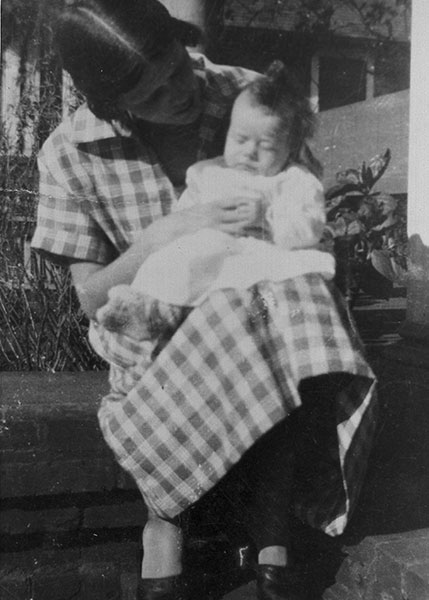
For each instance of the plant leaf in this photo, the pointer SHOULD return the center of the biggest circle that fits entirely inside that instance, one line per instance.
(374, 283)
(349, 176)
(340, 189)
(378, 165)
(367, 178)
(382, 262)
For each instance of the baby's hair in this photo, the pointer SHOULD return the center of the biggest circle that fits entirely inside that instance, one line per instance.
(105, 45)
(279, 91)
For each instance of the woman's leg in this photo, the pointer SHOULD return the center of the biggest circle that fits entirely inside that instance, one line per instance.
(162, 548)
(269, 475)
(255, 495)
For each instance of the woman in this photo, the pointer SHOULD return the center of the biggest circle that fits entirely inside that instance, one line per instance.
(228, 378)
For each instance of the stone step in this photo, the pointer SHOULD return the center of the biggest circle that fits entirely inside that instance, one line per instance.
(392, 567)
(244, 592)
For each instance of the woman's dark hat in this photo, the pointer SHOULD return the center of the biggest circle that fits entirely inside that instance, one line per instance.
(105, 44)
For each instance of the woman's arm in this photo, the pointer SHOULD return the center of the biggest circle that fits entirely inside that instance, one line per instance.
(93, 281)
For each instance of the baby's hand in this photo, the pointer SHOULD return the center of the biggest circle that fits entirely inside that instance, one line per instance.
(251, 206)
(125, 313)
(256, 210)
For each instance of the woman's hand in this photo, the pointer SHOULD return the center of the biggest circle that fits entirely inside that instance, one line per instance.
(228, 215)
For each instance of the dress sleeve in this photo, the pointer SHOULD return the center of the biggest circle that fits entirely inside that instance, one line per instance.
(297, 214)
(65, 229)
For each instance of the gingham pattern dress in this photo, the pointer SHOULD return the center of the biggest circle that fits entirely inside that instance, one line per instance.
(227, 376)
(232, 370)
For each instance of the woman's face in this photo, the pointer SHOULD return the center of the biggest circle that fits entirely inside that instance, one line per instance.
(168, 91)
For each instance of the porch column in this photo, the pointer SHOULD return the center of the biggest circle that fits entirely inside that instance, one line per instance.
(416, 325)
(205, 14)
(192, 11)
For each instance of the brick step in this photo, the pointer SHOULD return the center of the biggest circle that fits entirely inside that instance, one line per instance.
(50, 440)
(103, 572)
(71, 513)
(58, 480)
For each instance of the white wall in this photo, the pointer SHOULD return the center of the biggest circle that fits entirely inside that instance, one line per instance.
(10, 91)
(12, 96)
(418, 207)
(351, 134)
(187, 10)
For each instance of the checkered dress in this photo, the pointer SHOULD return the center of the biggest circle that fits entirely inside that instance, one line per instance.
(227, 376)
(232, 370)
(100, 187)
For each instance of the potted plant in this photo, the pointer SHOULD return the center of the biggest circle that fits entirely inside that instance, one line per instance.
(366, 229)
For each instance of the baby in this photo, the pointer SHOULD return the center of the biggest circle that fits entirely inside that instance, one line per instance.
(265, 159)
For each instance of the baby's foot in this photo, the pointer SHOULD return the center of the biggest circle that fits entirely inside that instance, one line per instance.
(125, 313)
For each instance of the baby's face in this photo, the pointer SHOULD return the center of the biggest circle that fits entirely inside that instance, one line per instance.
(257, 141)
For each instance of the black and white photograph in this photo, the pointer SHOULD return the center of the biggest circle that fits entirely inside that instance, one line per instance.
(214, 300)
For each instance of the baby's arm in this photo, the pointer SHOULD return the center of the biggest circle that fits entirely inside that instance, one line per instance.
(209, 181)
(189, 198)
(192, 195)
(297, 215)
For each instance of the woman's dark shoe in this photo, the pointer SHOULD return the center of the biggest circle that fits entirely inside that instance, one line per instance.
(162, 588)
(277, 583)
